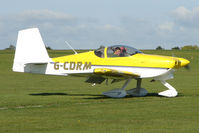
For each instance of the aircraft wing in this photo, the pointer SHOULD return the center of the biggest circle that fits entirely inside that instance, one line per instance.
(114, 73)
(100, 74)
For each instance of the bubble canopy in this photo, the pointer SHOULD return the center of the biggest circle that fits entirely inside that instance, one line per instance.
(116, 51)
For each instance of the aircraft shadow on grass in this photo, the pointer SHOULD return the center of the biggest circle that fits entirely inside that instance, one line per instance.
(64, 94)
(94, 96)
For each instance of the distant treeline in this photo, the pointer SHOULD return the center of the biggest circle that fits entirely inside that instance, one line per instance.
(186, 47)
(12, 47)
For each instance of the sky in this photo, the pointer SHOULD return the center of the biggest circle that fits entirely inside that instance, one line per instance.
(88, 24)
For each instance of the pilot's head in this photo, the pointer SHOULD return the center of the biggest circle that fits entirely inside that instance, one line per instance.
(117, 51)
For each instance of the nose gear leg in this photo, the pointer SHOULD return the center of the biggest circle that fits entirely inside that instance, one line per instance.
(171, 92)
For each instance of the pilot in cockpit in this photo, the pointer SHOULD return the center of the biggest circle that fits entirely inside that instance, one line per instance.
(119, 51)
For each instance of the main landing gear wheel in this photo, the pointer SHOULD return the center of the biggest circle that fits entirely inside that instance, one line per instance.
(138, 91)
(116, 93)
(119, 93)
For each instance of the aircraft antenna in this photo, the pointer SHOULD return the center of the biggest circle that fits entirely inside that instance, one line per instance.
(71, 47)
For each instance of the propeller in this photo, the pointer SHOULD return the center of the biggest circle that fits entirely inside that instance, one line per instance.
(187, 67)
(182, 62)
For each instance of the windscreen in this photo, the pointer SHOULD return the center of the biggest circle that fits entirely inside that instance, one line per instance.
(121, 51)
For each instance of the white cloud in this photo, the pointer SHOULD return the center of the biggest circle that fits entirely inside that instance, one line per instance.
(168, 27)
(181, 13)
(110, 27)
(45, 15)
(182, 29)
(49, 22)
(56, 27)
(186, 17)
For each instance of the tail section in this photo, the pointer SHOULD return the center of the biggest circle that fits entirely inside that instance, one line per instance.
(31, 54)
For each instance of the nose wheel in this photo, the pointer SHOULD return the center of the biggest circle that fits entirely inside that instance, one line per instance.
(171, 92)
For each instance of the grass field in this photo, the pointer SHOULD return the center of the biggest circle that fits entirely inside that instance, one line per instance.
(37, 103)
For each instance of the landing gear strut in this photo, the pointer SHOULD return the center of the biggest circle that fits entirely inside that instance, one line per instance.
(138, 91)
(119, 93)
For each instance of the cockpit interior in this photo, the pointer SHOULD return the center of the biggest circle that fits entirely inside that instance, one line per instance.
(116, 51)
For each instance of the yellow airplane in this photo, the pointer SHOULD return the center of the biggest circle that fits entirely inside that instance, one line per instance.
(115, 62)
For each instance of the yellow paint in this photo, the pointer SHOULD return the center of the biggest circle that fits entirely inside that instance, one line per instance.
(105, 52)
(137, 60)
(115, 73)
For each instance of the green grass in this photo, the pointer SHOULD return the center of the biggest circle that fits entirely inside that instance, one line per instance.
(39, 103)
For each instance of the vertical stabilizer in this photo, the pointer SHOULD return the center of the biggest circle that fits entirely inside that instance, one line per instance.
(29, 49)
